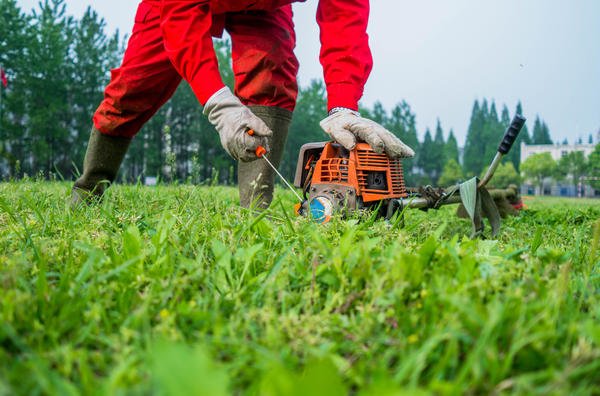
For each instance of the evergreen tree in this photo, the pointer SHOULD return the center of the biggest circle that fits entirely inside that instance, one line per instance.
(537, 131)
(492, 134)
(48, 83)
(427, 161)
(590, 139)
(310, 109)
(179, 142)
(451, 150)
(541, 133)
(378, 114)
(505, 118)
(402, 122)
(473, 160)
(93, 54)
(515, 153)
(485, 109)
(15, 37)
(546, 134)
(438, 156)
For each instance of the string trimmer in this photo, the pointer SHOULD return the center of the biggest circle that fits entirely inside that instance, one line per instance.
(336, 180)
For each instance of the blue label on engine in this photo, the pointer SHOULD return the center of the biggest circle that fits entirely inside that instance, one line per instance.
(317, 211)
(320, 212)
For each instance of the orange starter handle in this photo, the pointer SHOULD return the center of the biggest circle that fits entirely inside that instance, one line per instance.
(260, 150)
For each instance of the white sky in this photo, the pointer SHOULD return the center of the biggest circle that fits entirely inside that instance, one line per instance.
(441, 55)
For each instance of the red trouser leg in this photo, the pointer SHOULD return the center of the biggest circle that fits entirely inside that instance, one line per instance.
(264, 63)
(143, 83)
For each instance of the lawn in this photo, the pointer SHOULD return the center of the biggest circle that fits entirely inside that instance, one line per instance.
(177, 290)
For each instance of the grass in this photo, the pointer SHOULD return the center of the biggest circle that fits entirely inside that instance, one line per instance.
(178, 290)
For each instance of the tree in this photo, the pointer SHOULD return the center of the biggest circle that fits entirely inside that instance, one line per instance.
(438, 156)
(426, 160)
(505, 175)
(305, 128)
(58, 67)
(402, 122)
(451, 174)
(378, 114)
(541, 133)
(572, 165)
(15, 36)
(178, 142)
(546, 133)
(505, 118)
(492, 134)
(451, 149)
(593, 167)
(515, 153)
(93, 53)
(48, 87)
(537, 167)
(590, 139)
(473, 160)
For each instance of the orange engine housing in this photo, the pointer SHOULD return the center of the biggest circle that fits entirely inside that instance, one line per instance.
(370, 177)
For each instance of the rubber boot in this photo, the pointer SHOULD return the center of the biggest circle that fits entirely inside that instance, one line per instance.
(256, 179)
(103, 158)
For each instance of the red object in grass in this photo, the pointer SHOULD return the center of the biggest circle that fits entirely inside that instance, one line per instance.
(3, 78)
(519, 205)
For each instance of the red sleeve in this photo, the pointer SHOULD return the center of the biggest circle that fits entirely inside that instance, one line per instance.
(345, 53)
(185, 26)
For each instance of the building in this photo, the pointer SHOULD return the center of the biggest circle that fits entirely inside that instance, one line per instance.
(556, 150)
(567, 188)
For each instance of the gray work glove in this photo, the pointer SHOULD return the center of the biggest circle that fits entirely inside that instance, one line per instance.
(345, 126)
(233, 120)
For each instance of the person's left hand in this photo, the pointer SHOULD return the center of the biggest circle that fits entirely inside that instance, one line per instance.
(233, 120)
(345, 126)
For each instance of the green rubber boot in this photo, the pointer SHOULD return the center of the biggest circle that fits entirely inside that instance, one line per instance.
(256, 179)
(102, 161)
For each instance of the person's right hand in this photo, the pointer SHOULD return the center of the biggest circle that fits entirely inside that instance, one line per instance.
(233, 120)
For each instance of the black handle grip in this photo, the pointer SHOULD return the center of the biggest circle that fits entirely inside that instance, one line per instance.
(511, 134)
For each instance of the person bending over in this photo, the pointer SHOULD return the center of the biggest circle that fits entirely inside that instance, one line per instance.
(172, 39)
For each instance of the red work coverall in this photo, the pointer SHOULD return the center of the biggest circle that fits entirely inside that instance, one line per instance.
(172, 39)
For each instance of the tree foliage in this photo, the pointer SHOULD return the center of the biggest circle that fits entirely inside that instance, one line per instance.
(57, 68)
(537, 167)
(451, 150)
(505, 175)
(515, 153)
(573, 166)
(593, 167)
(473, 153)
(451, 174)
(541, 133)
(439, 152)
(427, 163)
